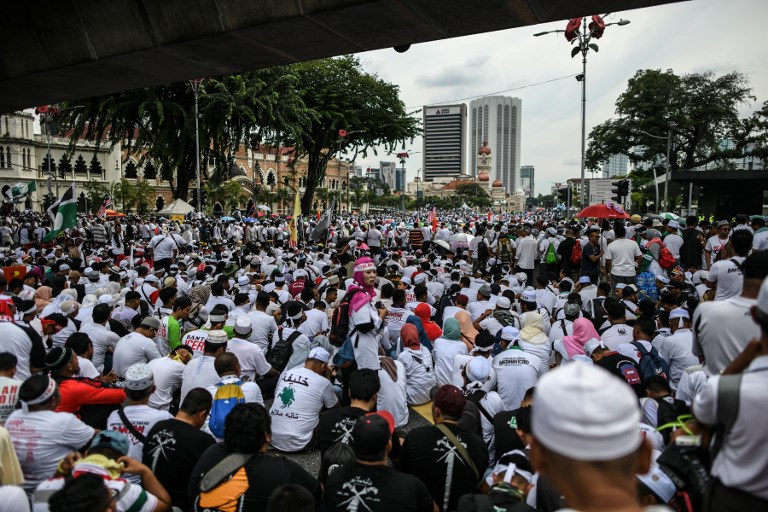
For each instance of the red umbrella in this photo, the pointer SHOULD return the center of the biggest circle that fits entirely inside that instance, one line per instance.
(603, 211)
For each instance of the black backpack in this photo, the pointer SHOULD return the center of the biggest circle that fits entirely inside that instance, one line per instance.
(482, 249)
(280, 353)
(340, 320)
(667, 411)
(651, 363)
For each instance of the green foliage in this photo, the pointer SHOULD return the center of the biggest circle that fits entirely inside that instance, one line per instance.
(139, 196)
(341, 96)
(702, 108)
(94, 192)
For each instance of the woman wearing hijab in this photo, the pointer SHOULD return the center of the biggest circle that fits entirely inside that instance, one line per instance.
(534, 340)
(423, 338)
(419, 369)
(423, 311)
(573, 345)
(42, 297)
(468, 331)
(365, 318)
(447, 347)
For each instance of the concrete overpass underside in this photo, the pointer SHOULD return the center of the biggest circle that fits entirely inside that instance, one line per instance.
(53, 50)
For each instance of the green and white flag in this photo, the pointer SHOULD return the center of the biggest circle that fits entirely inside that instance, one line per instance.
(21, 190)
(66, 213)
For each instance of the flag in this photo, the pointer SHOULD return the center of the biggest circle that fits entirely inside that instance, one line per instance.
(321, 230)
(294, 220)
(489, 215)
(66, 213)
(21, 189)
(252, 210)
(432, 219)
(103, 208)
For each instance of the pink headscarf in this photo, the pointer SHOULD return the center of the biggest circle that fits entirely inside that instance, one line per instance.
(361, 299)
(583, 331)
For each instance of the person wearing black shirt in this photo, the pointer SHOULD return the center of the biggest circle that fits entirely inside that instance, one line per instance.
(336, 424)
(174, 446)
(590, 257)
(369, 484)
(621, 366)
(433, 457)
(247, 431)
(505, 428)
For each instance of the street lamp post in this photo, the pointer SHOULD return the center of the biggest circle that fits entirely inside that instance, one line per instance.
(578, 30)
(196, 91)
(666, 167)
(403, 156)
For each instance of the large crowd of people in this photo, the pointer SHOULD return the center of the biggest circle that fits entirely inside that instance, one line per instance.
(149, 364)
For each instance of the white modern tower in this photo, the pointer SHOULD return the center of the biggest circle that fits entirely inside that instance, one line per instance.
(496, 119)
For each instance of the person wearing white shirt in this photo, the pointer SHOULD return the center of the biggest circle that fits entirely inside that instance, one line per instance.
(137, 347)
(137, 418)
(642, 332)
(488, 403)
(619, 332)
(482, 304)
(200, 371)
(301, 394)
(41, 436)
(446, 348)
(622, 256)
(316, 322)
(250, 357)
(228, 367)
(676, 349)
(393, 395)
(102, 338)
(263, 325)
(727, 274)
(419, 367)
(527, 253)
(168, 374)
(516, 370)
(716, 243)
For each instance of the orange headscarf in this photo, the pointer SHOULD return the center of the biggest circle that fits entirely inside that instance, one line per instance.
(468, 331)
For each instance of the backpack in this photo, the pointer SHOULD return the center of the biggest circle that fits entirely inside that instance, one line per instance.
(667, 411)
(226, 398)
(280, 353)
(340, 320)
(666, 259)
(482, 249)
(651, 363)
(576, 253)
(550, 258)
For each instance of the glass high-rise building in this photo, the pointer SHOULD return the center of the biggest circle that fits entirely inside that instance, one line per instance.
(497, 120)
(527, 180)
(617, 165)
(444, 152)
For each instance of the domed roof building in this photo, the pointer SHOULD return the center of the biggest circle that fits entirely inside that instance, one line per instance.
(483, 176)
(497, 184)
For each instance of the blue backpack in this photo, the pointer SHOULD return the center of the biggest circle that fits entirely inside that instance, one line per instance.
(651, 363)
(226, 398)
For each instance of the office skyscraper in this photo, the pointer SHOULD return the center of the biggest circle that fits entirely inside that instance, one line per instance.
(617, 165)
(527, 179)
(496, 119)
(444, 152)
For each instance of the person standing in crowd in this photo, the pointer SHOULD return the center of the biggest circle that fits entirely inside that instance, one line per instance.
(366, 319)
(591, 256)
(622, 257)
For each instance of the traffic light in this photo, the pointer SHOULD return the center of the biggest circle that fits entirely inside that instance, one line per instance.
(624, 188)
(616, 191)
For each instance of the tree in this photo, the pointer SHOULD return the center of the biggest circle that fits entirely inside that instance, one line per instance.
(122, 193)
(350, 110)
(94, 192)
(702, 110)
(157, 123)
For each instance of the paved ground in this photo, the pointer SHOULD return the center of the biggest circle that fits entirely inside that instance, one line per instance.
(311, 460)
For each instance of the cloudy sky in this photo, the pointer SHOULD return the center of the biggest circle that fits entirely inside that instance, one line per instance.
(686, 37)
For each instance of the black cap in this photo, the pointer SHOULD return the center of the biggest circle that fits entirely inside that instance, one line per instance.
(372, 432)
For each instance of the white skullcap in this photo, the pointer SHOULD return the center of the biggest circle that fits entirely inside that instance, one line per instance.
(679, 313)
(586, 413)
(528, 295)
(243, 325)
(319, 354)
(591, 345)
(478, 369)
(510, 333)
(243, 281)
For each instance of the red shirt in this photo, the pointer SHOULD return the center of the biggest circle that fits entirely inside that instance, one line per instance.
(78, 392)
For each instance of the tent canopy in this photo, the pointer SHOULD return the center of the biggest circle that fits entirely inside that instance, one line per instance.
(178, 207)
